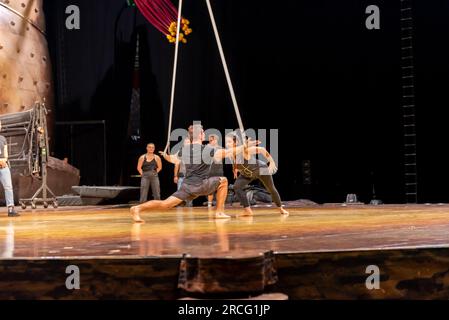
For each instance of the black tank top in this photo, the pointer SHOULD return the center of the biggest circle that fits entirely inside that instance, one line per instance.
(250, 168)
(149, 165)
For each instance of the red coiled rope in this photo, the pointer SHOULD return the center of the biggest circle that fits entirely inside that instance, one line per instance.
(162, 14)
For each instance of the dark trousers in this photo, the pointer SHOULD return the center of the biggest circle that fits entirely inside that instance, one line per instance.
(242, 183)
(149, 179)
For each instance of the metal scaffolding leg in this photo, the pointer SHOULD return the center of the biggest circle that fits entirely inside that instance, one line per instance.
(39, 147)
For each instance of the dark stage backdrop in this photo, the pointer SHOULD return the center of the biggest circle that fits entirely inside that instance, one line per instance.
(308, 68)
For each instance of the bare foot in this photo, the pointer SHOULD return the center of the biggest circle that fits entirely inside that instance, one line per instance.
(221, 215)
(247, 219)
(283, 211)
(136, 215)
(248, 212)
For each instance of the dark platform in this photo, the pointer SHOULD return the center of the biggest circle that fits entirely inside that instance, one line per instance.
(106, 195)
(318, 252)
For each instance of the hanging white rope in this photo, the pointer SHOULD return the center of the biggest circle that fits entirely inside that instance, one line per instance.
(175, 68)
(226, 70)
(225, 67)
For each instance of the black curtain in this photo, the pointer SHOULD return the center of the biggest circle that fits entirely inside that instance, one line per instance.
(310, 69)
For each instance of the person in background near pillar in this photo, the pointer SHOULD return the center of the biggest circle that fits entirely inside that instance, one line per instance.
(5, 176)
(149, 166)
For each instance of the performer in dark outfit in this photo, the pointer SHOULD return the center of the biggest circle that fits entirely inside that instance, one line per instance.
(149, 166)
(251, 169)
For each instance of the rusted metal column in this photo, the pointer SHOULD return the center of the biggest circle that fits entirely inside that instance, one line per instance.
(25, 68)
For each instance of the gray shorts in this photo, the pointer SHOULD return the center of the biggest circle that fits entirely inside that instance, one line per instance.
(189, 192)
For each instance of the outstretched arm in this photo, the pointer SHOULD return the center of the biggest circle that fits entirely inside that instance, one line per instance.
(272, 168)
(172, 158)
(232, 152)
(262, 151)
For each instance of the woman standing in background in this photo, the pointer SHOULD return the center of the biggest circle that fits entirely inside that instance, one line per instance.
(149, 166)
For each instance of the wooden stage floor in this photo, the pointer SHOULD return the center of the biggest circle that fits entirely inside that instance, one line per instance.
(109, 232)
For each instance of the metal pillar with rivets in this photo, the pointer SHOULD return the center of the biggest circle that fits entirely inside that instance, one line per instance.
(25, 69)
